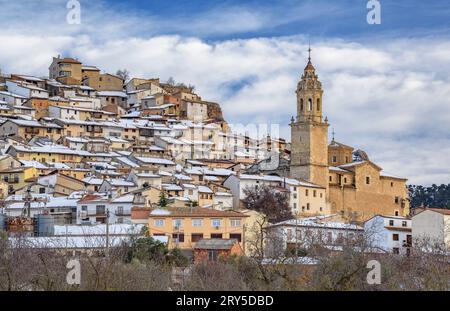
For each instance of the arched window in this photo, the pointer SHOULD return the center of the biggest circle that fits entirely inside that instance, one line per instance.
(310, 104)
(301, 104)
(318, 104)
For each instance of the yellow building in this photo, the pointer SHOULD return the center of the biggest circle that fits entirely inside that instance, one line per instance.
(47, 154)
(18, 177)
(185, 226)
(28, 129)
(66, 70)
(109, 82)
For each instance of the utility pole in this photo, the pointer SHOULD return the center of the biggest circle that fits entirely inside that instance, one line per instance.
(296, 235)
(107, 232)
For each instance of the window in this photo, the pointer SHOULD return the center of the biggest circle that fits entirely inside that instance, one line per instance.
(195, 237)
(84, 208)
(236, 236)
(320, 208)
(340, 237)
(216, 222)
(314, 193)
(235, 222)
(404, 223)
(391, 222)
(100, 209)
(392, 184)
(159, 222)
(120, 210)
(306, 192)
(301, 104)
(216, 235)
(396, 213)
(177, 223)
(310, 104)
(396, 250)
(318, 104)
(197, 222)
(41, 190)
(178, 237)
(396, 200)
(212, 255)
(334, 159)
(331, 178)
(307, 206)
(367, 180)
(295, 205)
(329, 237)
(395, 237)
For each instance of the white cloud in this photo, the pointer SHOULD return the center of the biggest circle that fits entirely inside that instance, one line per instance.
(390, 98)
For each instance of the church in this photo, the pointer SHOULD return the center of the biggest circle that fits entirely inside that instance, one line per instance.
(356, 187)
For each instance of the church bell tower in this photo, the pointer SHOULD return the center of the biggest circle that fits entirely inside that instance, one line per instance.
(309, 132)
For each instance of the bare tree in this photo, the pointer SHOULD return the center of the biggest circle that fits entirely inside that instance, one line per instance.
(273, 203)
(124, 74)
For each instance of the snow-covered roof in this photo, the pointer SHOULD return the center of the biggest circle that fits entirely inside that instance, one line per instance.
(172, 187)
(318, 222)
(127, 161)
(112, 94)
(204, 189)
(53, 203)
(35, 164)
(114, 229)
(389, 175)
(159, 161)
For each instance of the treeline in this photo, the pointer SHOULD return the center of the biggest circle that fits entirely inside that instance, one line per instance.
(433, 196)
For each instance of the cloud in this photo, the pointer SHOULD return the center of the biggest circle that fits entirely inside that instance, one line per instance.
(389, 97)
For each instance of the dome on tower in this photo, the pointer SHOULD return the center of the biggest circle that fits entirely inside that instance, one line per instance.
(309, 66)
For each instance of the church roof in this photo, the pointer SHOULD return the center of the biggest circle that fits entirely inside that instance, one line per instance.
(357, 163)
(336, 144)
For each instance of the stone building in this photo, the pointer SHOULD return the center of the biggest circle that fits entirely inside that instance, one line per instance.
(356, 187)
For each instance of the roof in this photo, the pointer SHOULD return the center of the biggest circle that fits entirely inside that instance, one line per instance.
(389, 175)
(195, 212)
(155, 160)
(68, 60)
(309, 66)
(335, 144)
(442, 211)
(317, 221)
(112, 94)
(215, 244)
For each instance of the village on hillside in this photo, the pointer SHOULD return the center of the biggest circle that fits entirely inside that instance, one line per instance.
(87, 155)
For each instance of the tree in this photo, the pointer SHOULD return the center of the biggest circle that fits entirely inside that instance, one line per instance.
(432, 196)
(171, 81)
(163, 202)
(269, 201)
(124, 74)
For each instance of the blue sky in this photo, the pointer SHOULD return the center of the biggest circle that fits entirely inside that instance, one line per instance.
(343, 18)
(387, 88)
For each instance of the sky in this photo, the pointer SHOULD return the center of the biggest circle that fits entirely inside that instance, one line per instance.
(386, 86)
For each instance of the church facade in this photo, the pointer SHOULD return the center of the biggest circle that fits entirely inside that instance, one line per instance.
(356, 187)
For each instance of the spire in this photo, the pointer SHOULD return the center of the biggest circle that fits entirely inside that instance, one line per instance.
(309, 66)
(309, 52)
(333, 134)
